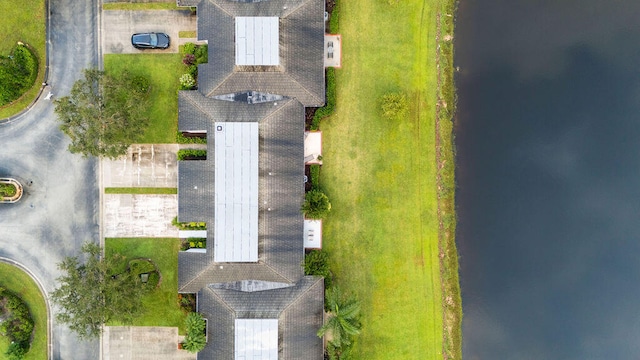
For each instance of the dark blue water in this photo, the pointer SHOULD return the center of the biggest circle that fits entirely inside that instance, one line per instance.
(548, 137)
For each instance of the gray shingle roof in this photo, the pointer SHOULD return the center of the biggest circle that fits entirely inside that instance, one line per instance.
(281, 190)
(301, 71)
(298, 309)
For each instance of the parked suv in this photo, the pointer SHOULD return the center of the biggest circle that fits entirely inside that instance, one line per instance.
(150, 40)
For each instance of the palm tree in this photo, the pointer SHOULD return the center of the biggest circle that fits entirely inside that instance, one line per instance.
(343, 322)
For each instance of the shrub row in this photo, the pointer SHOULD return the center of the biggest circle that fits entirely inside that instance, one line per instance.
(315, 176)
(18, 72)
(189, 225)
(181, 139)
(193, 55)
(331, 100)
(192, 154)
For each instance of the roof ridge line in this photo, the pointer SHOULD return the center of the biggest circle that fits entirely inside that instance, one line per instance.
(198, 275)
(277, 273)
(305, 89)
(221, 8)
(221, 300)
(210, 93)
(195, 103)
(297, 298)
(288, 100)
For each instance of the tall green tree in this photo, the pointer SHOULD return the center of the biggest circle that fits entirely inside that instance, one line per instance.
(104, 114)
(343, 322)
(94, 292)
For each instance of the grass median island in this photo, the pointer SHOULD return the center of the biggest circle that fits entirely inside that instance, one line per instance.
(380, 173)
(161, 305)
(23, 22)
(163, 71)
(21, 284)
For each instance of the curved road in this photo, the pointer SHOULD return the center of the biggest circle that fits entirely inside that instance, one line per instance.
(60, 207)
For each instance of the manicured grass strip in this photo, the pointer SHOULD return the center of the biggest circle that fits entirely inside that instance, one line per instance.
(24, 22)
(142, 6)
(187, 34)
(164, 71)
(160, 306)
(382, 234)
(140, 190)
(17, 281)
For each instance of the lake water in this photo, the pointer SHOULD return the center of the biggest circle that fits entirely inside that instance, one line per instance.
(548, 138)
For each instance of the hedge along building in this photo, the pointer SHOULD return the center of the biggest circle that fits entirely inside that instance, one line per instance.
(265, 65)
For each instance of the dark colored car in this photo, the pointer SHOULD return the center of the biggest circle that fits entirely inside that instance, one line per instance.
(150, 41)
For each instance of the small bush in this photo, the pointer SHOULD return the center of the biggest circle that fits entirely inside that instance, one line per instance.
(315, 176)
(394, 106)
(154, 280)
(193, 70)
(189, 59)
(187, 82)
(184, 154)
(202, 54)
(188, 226)
(317, 263)
(189, 48)
(330, 101)
(316, 204)
(196, 339)
(141, 266)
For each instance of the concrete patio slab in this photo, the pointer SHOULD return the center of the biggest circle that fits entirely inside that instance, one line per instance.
(119, 25)
(143, 343)
(333, 51)
(127, 215)
(144, 165)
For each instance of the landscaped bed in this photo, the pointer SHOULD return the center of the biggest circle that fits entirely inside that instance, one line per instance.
(10, 190)
(24, 23)
(19, 283)
(160, 307)
(382, 234)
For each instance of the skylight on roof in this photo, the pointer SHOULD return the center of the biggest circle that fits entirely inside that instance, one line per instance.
(256, 339)
(257, 40)
(236, 192)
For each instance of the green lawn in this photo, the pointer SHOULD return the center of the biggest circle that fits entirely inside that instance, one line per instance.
(17, 281)
(23, 22)
(382, 232)
(161, 306)
(140, 190)
(164, 71)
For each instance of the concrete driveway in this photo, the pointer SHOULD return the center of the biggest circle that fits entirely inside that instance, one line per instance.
(127, 215)
(119, 25)
(59, 208)
(144, 165)
(143, 343)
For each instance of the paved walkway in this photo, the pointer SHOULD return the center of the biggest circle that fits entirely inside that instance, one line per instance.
(119, 25)
(143, 166)
(143, 343)
(126, 215)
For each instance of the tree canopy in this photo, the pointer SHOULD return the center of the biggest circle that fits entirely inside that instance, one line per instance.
(343, 322)
(93, 292)
(104, 114)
